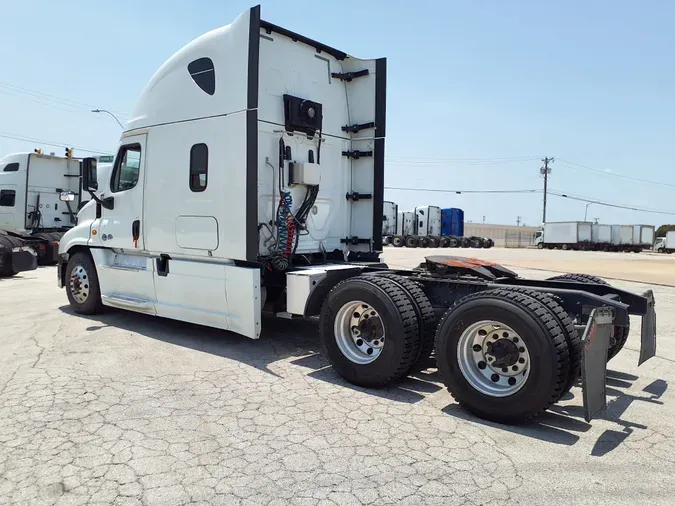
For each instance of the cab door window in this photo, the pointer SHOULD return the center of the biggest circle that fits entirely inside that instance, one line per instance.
(127, 168)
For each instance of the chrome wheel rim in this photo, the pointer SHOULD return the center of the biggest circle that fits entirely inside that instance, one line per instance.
(493, 358)
(79, 284)
(359, 332)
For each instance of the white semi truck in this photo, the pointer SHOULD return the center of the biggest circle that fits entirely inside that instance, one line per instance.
(428, 226)
(32, 217)
(250, 179)
(390, 224)
(565, 235)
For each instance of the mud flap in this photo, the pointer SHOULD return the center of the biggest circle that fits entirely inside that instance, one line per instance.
(594, 361)
(648, 331)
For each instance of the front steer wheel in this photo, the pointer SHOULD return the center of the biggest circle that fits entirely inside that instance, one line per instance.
(82, 285)
(502, 355)
(369, 331)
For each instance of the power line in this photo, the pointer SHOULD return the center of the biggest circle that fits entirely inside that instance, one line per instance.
(455, 161)
(570, 196)
(48, 97)
(457, 191)
(574, 165)
(54, 143)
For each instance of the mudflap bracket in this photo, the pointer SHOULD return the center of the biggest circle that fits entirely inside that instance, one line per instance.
(594, 361)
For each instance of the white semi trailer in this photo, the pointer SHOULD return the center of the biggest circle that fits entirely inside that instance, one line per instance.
(643, 237)
(665, 244)
(161, 238)
(565, 235)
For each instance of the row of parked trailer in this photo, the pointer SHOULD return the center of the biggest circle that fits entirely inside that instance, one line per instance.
(427, 227)
(583, 235)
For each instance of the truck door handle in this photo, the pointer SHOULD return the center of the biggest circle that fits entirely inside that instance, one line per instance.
(136, 231)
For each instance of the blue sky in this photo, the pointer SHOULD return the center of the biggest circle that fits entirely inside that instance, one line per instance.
(478, 91)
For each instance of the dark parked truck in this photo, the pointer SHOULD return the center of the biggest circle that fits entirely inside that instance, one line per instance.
(32, 214)
(197, 151)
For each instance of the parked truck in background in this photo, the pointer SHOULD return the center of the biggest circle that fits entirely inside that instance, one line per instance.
(390, 224)
(428, 226)
(161, 240)
(32, 217)
(622, 237)
(565, 235)
(601, 237)
(665, 244)
(643, 237)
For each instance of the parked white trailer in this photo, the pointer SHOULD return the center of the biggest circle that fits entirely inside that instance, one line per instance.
(389, 223)
(566, 235)
(601, 236)
(622, 237)
(643, 237)
(161, 239)
(428, 225)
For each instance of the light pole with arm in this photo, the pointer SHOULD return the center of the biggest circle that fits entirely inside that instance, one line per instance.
(108, 112)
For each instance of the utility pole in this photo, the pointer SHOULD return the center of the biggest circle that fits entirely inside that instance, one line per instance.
(545, 171)
(483, 219)
(518, 221)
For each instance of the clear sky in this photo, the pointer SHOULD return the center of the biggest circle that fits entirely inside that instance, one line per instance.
(478, 91)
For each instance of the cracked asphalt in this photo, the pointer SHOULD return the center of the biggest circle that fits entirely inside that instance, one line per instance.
(129, 409)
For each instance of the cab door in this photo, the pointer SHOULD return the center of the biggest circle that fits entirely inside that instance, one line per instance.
(124, 267)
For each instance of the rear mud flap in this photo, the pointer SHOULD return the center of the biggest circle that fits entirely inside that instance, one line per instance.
(648, 331)
(594, 361)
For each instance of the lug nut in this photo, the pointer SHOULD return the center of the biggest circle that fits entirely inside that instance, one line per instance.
(515, 339)
(521, 360)
(505, 334)
(521, 349)
(515, 368)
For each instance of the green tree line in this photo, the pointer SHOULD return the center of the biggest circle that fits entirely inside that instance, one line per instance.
(663, 229)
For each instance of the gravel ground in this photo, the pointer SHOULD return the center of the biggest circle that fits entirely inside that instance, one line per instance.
(130, 409)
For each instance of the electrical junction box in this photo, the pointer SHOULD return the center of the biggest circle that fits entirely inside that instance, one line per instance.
(305, 173)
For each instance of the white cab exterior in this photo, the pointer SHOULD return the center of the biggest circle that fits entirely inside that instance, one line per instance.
(389, 218)
(428, 221)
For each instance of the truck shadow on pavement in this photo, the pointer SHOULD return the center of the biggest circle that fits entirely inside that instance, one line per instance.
(294, 341)
(562, 423)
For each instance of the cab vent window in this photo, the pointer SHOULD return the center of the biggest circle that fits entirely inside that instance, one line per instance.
(7, 198)
(12, 167)
(203, 74)
(199, 167)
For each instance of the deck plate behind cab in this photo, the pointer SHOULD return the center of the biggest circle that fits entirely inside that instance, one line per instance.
(445, 264)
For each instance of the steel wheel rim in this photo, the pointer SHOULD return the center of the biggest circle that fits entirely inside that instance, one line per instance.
(79, 284)
(359, 332)
(493, 358)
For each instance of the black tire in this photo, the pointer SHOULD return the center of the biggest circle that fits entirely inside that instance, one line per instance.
(572, 337)
(411, 241)
(465, 242)
(386, 240)
(400, 329)
(454, 242)
(661, 250)
(434, 242)
(426, 318)
(619, 334)
(488, 243)
(444, 242)
(541, 332)
(92, 304)
(476, 242)
(540, 245)
(423, 242)
(397, 241)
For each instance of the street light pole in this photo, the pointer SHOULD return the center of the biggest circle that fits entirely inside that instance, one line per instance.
(108, 112)
(586, 212)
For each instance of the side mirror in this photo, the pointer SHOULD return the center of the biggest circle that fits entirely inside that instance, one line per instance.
(89, 181)
(66, 196)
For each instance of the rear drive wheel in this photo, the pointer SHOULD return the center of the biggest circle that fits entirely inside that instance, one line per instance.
(465, 242)
(386, 240)
(454, 242)
(397, 241)
(411, 242)
(434, 241)
(619, 334)
(82, 285)
(424, 242)
(445, 242)
(502, 355)
(369, 331)
(426, 318)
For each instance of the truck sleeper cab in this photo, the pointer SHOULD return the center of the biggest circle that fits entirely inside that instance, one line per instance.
(229, 197)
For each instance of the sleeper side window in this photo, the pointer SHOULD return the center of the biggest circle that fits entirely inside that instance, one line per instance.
(203, 73)
(127, 168)
(199, 167)
(11, 167)
(7, 198)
